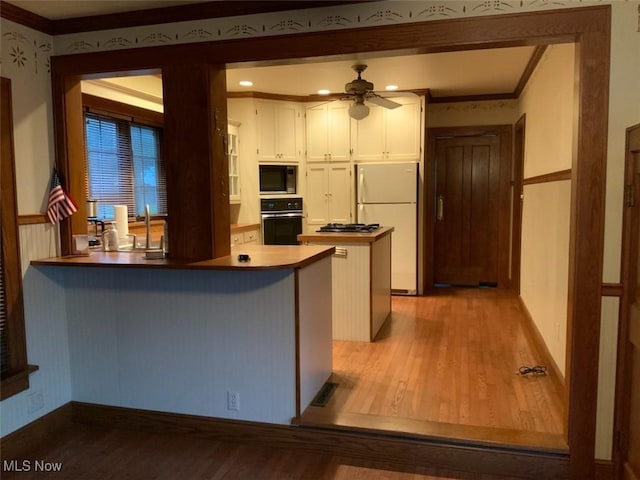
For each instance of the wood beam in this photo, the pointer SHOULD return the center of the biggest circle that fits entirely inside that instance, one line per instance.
(195, 130)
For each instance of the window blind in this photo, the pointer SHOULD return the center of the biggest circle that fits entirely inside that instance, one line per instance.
(124, 165)
(149, 170)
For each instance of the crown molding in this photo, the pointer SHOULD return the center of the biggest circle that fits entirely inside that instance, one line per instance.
(26, 18)
(156, 16)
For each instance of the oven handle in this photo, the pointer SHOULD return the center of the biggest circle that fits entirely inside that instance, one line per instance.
(282, 215)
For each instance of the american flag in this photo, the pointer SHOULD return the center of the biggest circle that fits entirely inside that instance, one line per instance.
(60, 204)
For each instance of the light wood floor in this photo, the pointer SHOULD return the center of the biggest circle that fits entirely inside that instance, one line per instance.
(111, 454)
(444, 361)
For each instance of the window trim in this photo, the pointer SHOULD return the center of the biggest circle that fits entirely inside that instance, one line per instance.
(123, 111)
(18, 380)
(113, 108)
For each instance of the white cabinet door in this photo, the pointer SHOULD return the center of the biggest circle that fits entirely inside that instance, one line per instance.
(279, 127)
(287, 133)
(388, 134)
(403, 130)
(328, 136)
(367, 136)
(266, 126)
(339, 138)
(339, 193)
(317, 133)
(317, 197)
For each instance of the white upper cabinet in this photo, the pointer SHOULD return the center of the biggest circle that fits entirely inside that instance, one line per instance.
(389, 134)
(279, 131)
(328, 198)
(328, 132)
(234, 166)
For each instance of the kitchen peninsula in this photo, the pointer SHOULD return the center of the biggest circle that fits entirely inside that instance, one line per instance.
(361, 280)
(180, 337)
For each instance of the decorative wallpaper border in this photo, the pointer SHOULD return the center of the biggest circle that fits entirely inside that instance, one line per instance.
(27, 49)
(301, 21)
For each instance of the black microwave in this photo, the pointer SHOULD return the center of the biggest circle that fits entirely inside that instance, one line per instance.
(278, 179)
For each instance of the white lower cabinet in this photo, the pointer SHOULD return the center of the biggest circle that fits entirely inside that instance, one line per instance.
(328, 198)
(244, 235)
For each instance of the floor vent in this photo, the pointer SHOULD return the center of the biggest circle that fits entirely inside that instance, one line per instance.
(323, 396)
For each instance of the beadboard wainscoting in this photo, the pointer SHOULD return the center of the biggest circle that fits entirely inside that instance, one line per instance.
(46, 332)
(178, 341)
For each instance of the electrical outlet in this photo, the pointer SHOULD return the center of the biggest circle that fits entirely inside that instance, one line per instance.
(233, 401)
(36, 402)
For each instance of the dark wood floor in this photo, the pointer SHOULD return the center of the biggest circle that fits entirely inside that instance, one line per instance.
(94, 453)
(446, 365)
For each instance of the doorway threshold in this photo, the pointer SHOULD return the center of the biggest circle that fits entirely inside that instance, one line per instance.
(438, 432)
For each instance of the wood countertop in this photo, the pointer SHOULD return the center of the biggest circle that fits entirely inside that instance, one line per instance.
(262, 257)
(244, 227)
(346, 237)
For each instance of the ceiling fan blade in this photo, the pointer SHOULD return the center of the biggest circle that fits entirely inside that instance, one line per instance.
(391, 94)
(383, 102)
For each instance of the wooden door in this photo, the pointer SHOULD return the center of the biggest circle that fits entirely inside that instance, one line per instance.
(629, 386)
(467, 209)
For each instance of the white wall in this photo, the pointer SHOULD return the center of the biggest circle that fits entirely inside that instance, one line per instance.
(548, 102)
(25, 61)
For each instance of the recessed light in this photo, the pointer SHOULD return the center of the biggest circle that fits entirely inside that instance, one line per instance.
(324, 91)
(246, 83)
(391, 87)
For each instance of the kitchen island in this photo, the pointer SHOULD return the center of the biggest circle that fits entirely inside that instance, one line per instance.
(184, 337)
(361, 280)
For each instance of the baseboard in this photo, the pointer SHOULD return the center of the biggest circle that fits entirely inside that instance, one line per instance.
(605, 470)
(17, 444)
(394, 449)
(556, 375)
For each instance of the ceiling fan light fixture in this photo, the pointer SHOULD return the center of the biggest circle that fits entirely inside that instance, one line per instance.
(324, 91)
(391, 87)
(358, 111)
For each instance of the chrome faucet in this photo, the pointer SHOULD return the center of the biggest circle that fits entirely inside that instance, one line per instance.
(149, 252)
(147, 223)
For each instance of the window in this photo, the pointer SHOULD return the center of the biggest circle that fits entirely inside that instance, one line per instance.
(124, 165)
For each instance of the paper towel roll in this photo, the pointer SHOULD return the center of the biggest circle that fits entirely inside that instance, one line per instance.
(122, 221)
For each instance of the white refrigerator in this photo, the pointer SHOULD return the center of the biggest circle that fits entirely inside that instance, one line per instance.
(387, 194)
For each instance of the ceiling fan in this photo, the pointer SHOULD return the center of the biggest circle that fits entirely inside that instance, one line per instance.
(360, 90)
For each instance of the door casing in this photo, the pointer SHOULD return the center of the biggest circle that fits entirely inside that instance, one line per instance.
(630, 241)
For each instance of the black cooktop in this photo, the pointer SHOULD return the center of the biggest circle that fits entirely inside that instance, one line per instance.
(349, 227)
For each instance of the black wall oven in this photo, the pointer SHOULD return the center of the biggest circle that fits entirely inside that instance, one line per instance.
(281, 220)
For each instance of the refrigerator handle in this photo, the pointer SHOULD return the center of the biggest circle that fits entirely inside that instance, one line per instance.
(360, 187)
(440, 208)
(360, 218)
